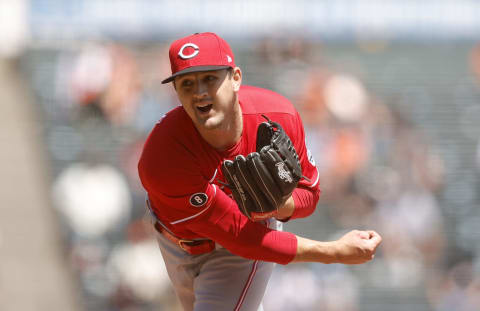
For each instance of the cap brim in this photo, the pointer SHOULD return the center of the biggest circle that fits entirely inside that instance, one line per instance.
(193, 69)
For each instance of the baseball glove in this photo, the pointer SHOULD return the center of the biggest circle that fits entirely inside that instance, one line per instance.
(262, 181)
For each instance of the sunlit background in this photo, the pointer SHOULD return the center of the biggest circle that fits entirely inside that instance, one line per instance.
(389, 92)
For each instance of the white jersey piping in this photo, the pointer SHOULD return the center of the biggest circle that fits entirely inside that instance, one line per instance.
(199, 213)
(316, 181)
(213, 177)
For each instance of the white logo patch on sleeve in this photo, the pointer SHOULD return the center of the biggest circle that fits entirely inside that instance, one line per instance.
(198, 199)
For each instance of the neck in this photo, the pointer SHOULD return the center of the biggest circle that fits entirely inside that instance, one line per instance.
(228, 134)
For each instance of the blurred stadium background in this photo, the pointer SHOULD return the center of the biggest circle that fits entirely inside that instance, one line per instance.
(389, 92)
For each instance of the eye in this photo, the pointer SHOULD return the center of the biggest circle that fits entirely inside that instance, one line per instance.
(210, 78)
(186, 83)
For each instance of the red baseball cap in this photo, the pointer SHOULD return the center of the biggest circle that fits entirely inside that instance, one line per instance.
(199, 52)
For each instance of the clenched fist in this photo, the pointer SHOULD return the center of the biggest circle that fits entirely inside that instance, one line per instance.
(357, 247)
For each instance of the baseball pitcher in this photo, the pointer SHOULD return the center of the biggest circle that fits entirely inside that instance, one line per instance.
(222, 172)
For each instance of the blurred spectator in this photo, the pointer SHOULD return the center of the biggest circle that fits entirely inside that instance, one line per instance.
(285, 295)
(92, 72)
(293, 66)
(327, 289)
(346, 98)
(459, 288)
(106, 82)
(475, 62)
(269, 51)
(156, 98)
(121, 98)
(311, 100)
(334, 108)
(285, 60)
(136, 264)
(129, 156)
(93, 199)
(413, 229)
(87, 259)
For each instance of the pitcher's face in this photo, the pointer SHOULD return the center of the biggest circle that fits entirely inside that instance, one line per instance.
(209, 97)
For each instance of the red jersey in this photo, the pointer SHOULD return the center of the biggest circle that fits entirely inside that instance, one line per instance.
(181, 174)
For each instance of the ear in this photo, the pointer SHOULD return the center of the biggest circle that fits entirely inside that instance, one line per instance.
(236, 79)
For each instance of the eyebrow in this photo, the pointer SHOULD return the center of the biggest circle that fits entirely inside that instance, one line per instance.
(183, 78)
(206, 73)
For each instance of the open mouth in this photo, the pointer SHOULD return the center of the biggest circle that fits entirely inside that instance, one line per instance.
(205, 108)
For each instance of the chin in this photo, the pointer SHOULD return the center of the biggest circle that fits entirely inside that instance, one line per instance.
(211, 123)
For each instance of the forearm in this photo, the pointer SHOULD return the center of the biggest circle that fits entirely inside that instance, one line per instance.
(254, 241)
(314, 251)
(285, 212)
(355, 247)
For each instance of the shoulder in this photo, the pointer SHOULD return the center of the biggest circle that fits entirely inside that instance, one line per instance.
(175, 159)
(257, 102)
(263, 101)
(167, 141)
(167, 130)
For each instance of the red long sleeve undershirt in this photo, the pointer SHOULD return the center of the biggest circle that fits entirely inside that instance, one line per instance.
(305, 202)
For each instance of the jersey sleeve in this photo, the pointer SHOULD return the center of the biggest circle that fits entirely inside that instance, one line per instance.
(307, 193)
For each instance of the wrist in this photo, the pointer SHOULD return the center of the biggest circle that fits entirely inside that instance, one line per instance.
(286, 210)
(329, 251)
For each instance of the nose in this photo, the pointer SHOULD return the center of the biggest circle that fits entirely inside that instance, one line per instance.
(200, 89)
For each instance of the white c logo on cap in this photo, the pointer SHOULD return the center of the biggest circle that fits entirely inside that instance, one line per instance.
(194, 46)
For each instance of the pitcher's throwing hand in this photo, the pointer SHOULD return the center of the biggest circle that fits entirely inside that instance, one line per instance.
(357, 247)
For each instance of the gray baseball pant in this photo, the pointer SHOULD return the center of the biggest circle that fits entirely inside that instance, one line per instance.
(216, 281)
